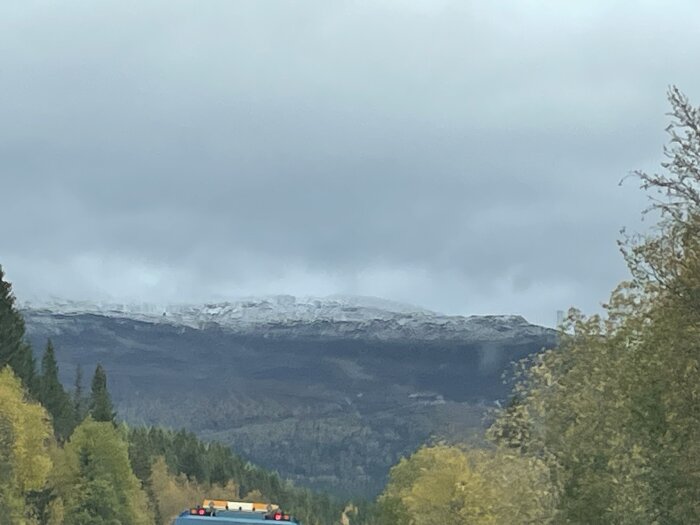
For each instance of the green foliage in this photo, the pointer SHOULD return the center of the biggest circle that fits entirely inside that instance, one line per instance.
(101, 408)
(53, 397)
(93, 477)
(95, 503)
(364, 512)
(78, 397)
(14, 350)
(615, 409)
(196, 466)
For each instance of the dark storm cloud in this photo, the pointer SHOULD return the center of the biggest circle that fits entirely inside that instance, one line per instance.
(455, 154)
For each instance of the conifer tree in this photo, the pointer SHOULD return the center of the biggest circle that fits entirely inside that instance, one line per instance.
(94, 480)
(53, 396)
(79, 402)
(101, 408)
(14, 350)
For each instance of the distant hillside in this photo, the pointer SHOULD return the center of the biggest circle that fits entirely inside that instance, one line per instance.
(330, 392)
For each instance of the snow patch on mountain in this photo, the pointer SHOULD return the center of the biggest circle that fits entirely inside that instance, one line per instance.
(286, 315)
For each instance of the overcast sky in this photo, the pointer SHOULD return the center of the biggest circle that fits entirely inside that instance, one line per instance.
(459, 155)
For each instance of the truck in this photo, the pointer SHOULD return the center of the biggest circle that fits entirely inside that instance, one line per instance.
(213, 511)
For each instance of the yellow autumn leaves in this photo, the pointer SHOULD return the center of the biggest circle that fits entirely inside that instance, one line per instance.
(24, 457)
(605, 428)
(451, 485)
(90, 476)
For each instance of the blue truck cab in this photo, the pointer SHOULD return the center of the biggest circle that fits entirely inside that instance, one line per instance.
(221, 517)
(218, 512)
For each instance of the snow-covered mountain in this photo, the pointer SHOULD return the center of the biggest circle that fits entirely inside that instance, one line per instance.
(333, 316)
(262, 309)
(354, 382)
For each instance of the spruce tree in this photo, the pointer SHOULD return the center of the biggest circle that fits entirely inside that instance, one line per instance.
(53, 396)
(101, 408)
(79, 402)
(94, 481)
(14, 350)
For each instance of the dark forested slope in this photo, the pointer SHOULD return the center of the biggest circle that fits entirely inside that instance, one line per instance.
(329, 408)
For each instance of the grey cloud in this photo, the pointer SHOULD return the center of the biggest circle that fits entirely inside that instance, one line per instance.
(462, 155)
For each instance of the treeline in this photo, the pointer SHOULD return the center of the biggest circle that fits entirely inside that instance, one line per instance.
(605, 428)
(64, 459)
(175, 466)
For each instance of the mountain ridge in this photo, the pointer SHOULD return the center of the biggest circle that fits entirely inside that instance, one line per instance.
(330, 399)
(333, 316)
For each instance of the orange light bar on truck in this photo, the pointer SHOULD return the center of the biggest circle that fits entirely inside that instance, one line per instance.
(245, 506)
